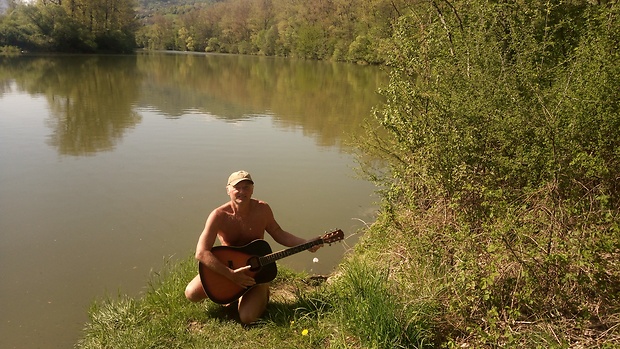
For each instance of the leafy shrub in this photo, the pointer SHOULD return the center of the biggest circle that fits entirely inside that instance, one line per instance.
(503, 151)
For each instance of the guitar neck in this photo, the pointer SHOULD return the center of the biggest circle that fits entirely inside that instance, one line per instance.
(272, 257)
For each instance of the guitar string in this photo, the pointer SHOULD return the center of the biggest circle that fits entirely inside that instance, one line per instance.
(272, 257)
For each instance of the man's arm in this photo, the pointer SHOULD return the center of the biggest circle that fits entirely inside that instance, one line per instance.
(280, 235)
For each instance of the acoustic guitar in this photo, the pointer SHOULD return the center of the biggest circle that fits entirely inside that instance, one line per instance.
(258, 259)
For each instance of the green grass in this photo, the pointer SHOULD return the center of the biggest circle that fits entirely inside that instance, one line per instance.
(352, 310)
(163, 318)
(370, 309)
(387, 293)
(383, 295)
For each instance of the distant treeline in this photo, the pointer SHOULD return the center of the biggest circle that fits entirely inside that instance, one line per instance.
(339, 30)
(70, 26)
(342, 30)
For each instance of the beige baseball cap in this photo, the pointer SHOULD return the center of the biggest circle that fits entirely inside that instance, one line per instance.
(239, 176)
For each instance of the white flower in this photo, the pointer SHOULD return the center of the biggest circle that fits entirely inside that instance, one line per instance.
(315, 260)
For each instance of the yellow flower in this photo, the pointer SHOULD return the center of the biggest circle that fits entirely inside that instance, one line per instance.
(304, 332)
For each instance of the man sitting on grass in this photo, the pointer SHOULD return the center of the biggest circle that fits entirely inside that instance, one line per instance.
(237, 223)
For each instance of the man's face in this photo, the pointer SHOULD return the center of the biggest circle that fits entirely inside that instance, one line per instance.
(241, 191)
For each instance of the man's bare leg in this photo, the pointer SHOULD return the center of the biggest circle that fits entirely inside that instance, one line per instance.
(253, 303)
(194, 291)
(251, 306)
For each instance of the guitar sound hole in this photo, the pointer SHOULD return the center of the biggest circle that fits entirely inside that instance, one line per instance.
(254, 263)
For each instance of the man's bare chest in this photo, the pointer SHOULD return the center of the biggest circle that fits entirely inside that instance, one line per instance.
(238, 231)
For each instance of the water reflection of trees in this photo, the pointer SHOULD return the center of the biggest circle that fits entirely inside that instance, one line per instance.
(310, 94)
(90, 98)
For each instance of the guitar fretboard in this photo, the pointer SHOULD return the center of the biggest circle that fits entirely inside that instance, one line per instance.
(272, 257)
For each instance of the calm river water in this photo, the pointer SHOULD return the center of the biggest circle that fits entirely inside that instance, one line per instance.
(109, 166)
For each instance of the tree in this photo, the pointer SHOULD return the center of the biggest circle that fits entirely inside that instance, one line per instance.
(317, 29)
(73, 25)
(111, 22)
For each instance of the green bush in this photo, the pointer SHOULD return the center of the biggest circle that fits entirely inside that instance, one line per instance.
(503, 152)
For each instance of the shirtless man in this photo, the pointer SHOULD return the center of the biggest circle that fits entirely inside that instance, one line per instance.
(237, 223)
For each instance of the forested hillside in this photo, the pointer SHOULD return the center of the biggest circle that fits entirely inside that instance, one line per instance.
(147, 8)
(339, 30)
(69, 26)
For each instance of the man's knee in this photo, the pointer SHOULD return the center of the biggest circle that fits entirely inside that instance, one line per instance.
(253, 304)
(194, 294)
(248, 319)
(190, 294)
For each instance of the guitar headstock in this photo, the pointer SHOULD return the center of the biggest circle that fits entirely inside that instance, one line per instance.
(332, 236)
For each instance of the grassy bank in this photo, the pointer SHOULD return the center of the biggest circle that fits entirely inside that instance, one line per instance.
(354, 308)
(383, 295)
(163, 318)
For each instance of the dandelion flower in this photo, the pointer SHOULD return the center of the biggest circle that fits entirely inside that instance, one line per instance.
(315, 260)
(304, 332)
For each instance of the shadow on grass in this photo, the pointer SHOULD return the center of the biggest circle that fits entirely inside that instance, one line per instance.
(283, 307)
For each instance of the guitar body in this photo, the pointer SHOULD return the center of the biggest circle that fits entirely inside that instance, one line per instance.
(223, 291)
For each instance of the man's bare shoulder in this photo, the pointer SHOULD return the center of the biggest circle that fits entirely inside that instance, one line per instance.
(260, 205)
(222, 211)
(259, 202)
